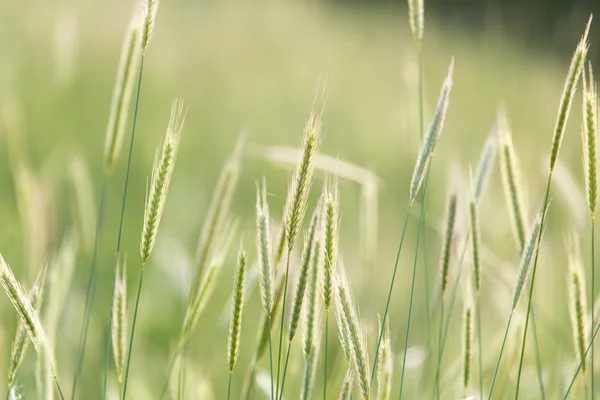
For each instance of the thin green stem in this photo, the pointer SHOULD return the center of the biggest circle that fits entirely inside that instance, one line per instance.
(592, 303)
(581, 362)
(285, 285)
(439, 357)
(453, 297)
(91, 288)
(387, 304)
(287, 358)
(135, 313)
(120, 235)
(270, 356)
(537, 355)
(174, 357)
(535, 263)
(479, 346)
(412, 289)
(326, 351)
(500, 356)
(229, 387)
(182, 373)
(60, 392)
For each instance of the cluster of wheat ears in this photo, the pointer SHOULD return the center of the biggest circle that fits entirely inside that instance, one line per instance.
(321, 284)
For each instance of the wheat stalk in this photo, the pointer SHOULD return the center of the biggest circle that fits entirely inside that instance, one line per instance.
(119, 325)
(164, 164)
(446, 253)
(509, 168)
(578, 302)
(356, 336)
(431, 138)
(233, 343)
(122, 93)
(20, 343)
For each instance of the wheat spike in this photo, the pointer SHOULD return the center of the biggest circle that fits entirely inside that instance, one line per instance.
(446, 253)
(577, 63)
(346, 389)
(119, 325)
(509, 168)
(306, 261)
(122, 92)
(20, 343)
(302, 179)
(487, 159)
(263, 244)
(431, 138)
(385, 367)
(233, 344)
(311, 310)
(331, 215)
(164, 163)
(578, 302)
(588, 136)
(150, 9)
(416, 12)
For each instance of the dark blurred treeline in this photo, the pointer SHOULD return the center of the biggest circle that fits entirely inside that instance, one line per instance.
(554, 25)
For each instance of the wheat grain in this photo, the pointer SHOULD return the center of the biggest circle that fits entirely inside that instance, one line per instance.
(578, 301)
(509, 168)
(20, 343)
(302, 179)
(122, 92)
(356, 337)
(119, 325)
(233, 344)
(164, 163)
(431, 138)
(577, 63)
(306, 261)
(589, 141)
(263, 244)
(526, 258)
(416, 12)
(331, 211)
(446, 253)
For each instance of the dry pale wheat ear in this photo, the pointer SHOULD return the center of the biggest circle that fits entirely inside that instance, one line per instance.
(416, 17)
(164, 164)
(433, 133)
(356, 337)
(21, 341)
(486, 163)
(123, 90)
(119, 325)
(578, 300)
(511, 179)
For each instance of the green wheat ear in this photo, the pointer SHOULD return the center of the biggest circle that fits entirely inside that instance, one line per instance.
(589, 140)
(447, 242)
(233, 343)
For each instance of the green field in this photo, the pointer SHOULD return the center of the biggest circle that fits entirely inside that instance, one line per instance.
(255, 67)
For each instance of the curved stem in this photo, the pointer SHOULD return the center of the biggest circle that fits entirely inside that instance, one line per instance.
(60, 392)
(285, 285)
(287, 358)
(500, 356)
(91, 289)
(439, 358)
(592, 303)
(537, 355)
(135, 313)
(581, 362)
(480, 348)
(412, 289)
(120, 235)
(229, 388)
(387, 304)
(270, 355)
(535, 262)
(326, 350)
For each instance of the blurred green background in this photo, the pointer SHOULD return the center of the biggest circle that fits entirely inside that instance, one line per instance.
(254, 66)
